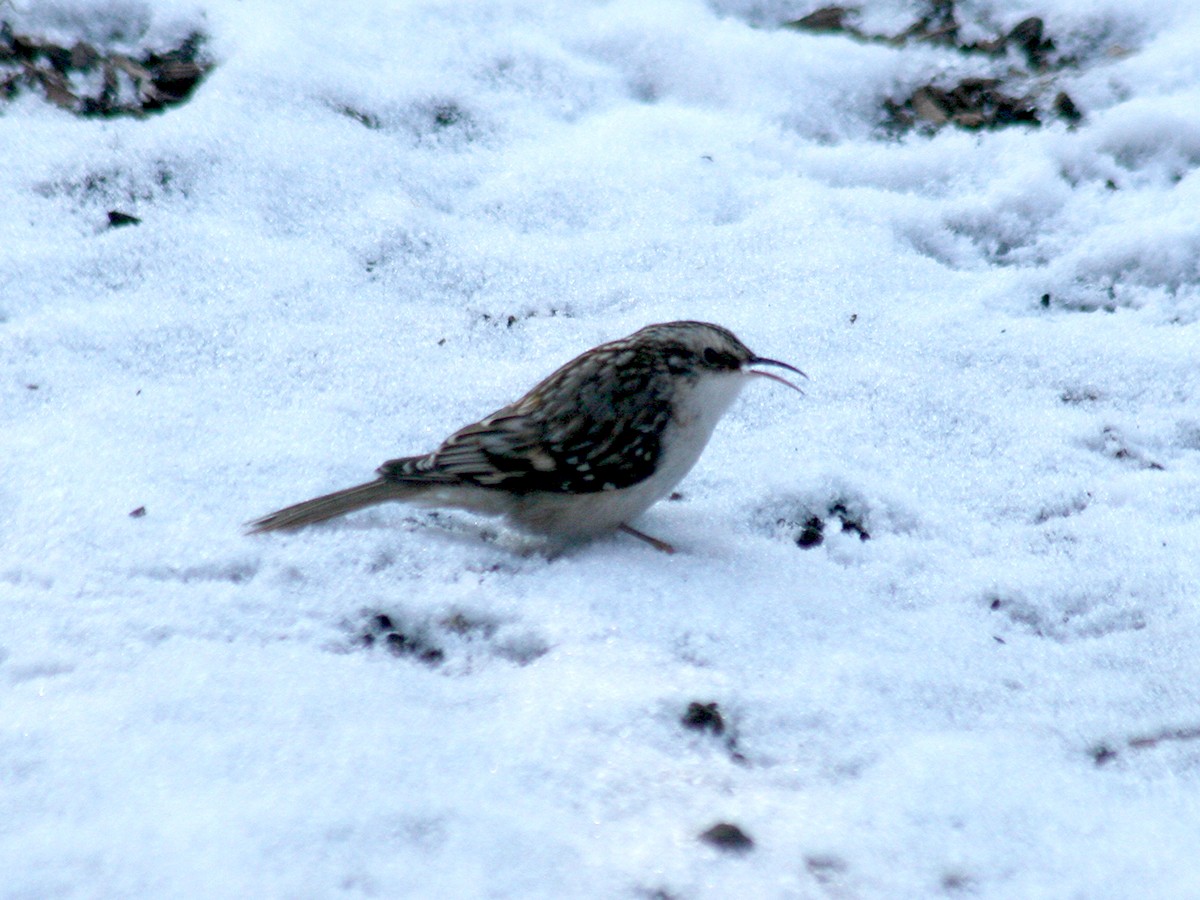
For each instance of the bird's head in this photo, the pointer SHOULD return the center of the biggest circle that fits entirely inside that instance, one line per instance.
(700, 348)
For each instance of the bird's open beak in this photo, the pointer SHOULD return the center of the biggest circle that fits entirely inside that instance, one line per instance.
(762, 361)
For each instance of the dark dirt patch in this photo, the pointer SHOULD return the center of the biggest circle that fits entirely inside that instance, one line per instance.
(1104, 753)
(728, 837)
(95, 82)
(703, 717)
(940, 25)
(810, 531)
(118, 219)
(382, 630)
(971, 102)
(707, 719)
(460, 640)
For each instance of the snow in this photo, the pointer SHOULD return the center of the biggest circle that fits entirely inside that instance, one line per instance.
(374, 223)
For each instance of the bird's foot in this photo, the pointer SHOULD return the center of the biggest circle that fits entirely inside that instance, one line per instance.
(652, 541)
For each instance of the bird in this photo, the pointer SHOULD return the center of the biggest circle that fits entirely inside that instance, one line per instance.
(586, 451)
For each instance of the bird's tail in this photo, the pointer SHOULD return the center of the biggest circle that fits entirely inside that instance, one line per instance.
(329, 506)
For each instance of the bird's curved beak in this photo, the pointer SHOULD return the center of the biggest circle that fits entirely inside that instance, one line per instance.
(763, 361)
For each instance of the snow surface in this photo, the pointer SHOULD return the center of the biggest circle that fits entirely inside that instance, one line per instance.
(376, 222)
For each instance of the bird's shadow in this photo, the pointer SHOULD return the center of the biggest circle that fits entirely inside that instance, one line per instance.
(467, 530)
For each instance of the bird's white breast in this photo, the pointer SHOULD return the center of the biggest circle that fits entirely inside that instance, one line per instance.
(698, 407)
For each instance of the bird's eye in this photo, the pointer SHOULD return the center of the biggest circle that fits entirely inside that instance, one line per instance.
(716, 358)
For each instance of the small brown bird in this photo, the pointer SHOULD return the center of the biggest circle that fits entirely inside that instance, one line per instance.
(586, 451)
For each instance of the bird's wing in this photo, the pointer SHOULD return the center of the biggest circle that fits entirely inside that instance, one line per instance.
(570, 434)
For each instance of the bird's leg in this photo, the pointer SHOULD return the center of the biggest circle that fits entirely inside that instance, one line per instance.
(652, 541)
